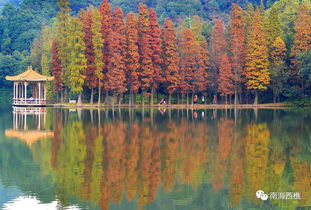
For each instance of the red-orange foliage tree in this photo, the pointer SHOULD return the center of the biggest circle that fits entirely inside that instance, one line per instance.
(106, 24)
(200, 75)
(217, 48)
(170, 58)
(91, 79)
(155, 45)
(189, 53)
(225, 79)
(132, 56)
(238, 46)
(116, 46)
(145, 51)
(56, 67)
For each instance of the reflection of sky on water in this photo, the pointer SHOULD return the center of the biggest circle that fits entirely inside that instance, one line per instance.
(32, 203)
(7, 194)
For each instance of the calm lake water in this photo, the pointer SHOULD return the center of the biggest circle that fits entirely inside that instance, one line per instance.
(154, 159)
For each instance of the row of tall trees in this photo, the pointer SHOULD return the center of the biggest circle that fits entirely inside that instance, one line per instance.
(101, 49)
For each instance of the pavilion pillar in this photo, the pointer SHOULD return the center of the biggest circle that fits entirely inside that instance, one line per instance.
(25, 84)
(21, 91)
(45, 92)
(39, 84)
(14, 91)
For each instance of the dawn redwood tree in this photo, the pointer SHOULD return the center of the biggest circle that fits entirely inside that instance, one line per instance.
(77, 61)
(225, 80)
(189, 52)
(155, 45)
(56, 67)
(145, 51)
(106, 28)
(132, 56)
(62, 23)
(302, 42)
(90, 74)
(202, 59)
(249, 13)
(116, 66)
(277, 67)
(256, 71)
(201, 76)
(170, 57)
(218, 47)
(272, 28)
(238, 46)
(98, 44)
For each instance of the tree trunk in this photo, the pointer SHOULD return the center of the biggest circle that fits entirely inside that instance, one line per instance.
(142, 100)
(99, 95)
(107, 97)
(192, 95)
(62, 96)
(178, 99)
(79, 99)
(256, 98)
(151, 96)
(134, 99)
(187, 99)
(113, 99)
(157, 93)
(65, 95)
(182, 99)
(131, 98)
(169, 99)
(274, 97)
(235, 96)
(92, 96)
(119, 100)
(240, 97)
(226, 98)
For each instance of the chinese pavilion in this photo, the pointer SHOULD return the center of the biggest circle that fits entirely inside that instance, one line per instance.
(37, 95)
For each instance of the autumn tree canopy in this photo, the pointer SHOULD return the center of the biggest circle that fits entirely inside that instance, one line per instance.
(256, 71)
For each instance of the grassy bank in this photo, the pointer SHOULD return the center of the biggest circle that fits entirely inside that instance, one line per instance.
(177, 106)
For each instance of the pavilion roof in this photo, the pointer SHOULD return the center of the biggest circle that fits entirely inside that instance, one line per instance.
(29, 76)
(29, 136)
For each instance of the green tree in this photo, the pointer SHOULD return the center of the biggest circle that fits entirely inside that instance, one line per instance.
(272, 28)
(76, 59)
(63, 19)
(277, 67)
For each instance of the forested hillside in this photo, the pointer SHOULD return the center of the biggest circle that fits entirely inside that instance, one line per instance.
(219, 46)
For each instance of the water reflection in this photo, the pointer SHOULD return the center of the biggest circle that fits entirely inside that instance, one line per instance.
(164, 159)
(29, 125)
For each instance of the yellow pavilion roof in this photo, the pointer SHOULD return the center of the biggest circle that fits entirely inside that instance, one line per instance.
(30, 75)
(28, 136)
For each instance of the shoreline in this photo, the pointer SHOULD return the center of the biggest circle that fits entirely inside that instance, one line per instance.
(175, 106)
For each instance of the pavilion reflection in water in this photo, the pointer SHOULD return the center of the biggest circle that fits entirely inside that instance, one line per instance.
(29, 125)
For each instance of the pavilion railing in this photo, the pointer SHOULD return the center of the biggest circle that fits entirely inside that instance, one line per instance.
(29, 101)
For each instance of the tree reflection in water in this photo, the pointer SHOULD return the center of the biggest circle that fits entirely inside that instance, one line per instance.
(148, 160)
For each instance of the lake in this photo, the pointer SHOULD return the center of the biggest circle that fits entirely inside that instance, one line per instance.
(155, 159)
